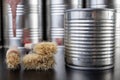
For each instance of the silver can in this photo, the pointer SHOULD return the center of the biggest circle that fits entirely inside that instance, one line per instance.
(28, 24)
(33, 20)
(90, 38)
(9, 39)
(55, 21)
(55, 18)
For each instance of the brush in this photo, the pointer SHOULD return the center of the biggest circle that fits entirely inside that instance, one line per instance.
(13, 58)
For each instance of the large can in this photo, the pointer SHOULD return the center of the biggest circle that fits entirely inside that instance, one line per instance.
(90, 38)
(55, 19)
(28, 24)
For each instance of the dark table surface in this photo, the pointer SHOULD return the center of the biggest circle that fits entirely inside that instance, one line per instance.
(60, 72)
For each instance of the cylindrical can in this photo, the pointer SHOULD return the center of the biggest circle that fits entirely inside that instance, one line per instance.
(55, 19)
(33, 20)
(28, 24)
(9, 39)
(90, 38)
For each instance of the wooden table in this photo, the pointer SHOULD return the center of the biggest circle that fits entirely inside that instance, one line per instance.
(60, 72)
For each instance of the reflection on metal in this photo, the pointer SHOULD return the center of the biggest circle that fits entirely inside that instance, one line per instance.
(28, 24)
(55, 19)
(90, 44)
(89, 75)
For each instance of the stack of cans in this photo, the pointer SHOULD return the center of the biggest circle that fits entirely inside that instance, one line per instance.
(56, 10)
(33, 21)
(90, 38)
(9, 39)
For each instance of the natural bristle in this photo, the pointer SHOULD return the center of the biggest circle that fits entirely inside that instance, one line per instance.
(12, 59)
(37, 62)
(45, 48)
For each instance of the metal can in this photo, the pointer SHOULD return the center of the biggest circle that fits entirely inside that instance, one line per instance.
(90, 38)
(28, 24)
(55, 18)
(33, 20)
(9, 39)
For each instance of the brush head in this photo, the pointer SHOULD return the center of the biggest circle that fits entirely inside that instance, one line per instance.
(13, 58)
(37, 62)
(45, 49)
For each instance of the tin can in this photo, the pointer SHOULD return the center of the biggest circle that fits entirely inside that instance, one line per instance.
(28, 24)
(33, 20)
(9, 39)
(90, 38)
(55, 18)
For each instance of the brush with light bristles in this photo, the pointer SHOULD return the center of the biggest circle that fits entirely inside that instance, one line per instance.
(13, 58)
(37, 62)
(47, 49)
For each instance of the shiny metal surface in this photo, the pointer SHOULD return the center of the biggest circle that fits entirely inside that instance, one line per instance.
(93, 53)
(55, 21)
(97, 3)
(115, 4)
(95, 56)
(9, 39)
(85, 62)
(89, 46)
(79, 49)
(88, 13)
(118, 28)
(33, 19)
(55, 18)
(74, 4)
(90, 38)
(29, 24)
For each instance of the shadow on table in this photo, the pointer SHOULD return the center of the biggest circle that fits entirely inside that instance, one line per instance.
(89, 75)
